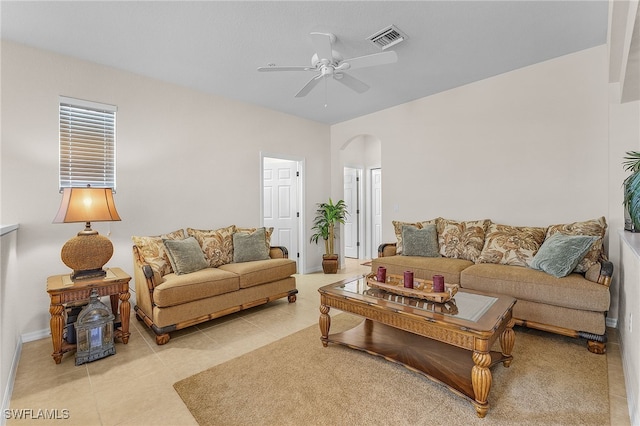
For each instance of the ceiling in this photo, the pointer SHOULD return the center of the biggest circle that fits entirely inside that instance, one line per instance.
(216, 47)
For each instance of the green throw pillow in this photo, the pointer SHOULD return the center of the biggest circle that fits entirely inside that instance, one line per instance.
(250, 246)
(185, 256)
(420, 242)
(560, 253)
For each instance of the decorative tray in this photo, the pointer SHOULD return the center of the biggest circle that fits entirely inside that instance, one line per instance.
(422, 289)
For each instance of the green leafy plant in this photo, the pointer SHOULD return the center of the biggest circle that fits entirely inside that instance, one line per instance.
(328, 215)
(632, 186)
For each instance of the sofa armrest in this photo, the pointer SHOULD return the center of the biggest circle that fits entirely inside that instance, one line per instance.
(387, 249)
(600, 273)
(278, 252)
(144, 277)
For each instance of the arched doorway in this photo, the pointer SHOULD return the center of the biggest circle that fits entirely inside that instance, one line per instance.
(361, 161)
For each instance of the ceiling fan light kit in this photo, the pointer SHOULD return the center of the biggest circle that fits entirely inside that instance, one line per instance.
(327, 62)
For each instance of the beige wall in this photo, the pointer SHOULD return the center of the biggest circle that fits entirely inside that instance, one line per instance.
(184, 159)
(522, 148)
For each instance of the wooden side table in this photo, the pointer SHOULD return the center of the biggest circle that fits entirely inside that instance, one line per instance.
(63, 290)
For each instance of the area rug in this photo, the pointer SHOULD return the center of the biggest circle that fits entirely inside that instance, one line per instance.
(553, 380)
(367, 263)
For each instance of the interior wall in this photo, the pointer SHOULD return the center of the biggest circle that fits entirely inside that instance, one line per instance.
(184, 159)
(527, 147)
(9, 293)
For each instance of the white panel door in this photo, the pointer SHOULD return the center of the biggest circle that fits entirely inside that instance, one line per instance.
(376, 211)
(351, 199)
(280, 203)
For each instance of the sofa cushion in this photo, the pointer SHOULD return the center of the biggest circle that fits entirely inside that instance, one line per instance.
(185, 255)
(261, 271)
(420, 242)
(153, 251)
(594, 227)
(511, 245)
(217, 244)
(573, 291)
(560, 254)
(462, 240)
(177, 289)
(423, 267)
(250, 246)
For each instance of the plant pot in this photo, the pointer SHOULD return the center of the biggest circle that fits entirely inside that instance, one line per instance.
(330, 263)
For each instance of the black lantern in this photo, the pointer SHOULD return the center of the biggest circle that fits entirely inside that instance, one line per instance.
(94, 331)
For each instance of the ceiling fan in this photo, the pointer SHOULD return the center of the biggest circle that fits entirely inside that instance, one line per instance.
(326, 62)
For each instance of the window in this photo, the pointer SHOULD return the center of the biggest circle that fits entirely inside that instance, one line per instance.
(87, 144)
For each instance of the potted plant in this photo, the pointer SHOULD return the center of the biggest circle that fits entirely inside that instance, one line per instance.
(632, 191)
(327, 216)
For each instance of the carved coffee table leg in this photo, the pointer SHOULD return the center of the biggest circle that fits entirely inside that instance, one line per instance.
(325, 324)
(55, 323)
(481, 380)
(507, 340)
(125, 313)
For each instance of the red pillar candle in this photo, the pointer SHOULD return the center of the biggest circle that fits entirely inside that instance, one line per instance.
(438, 284)
(382, 274)
(408, 279)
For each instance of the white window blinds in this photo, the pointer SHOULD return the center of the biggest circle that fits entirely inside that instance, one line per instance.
(87, 144)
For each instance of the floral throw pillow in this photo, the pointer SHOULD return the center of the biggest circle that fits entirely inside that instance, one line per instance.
(595, 228)
(397, 228)
(462, 240)
(153, 250)
(511, 245)
(217, 244)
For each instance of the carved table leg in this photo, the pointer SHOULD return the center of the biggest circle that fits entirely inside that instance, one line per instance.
(481, 380)
(114, 303)
(125, 313)
(56, 323)
(507, 340)
(325, 324)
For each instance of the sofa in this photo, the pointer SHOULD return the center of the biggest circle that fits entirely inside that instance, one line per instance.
(183, 279)
(559, 274)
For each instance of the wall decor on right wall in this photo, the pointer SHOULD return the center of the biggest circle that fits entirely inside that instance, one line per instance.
(632, 192)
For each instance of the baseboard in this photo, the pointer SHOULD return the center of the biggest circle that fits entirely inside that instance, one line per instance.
(36, 335)
(10, 381)
(612, 322)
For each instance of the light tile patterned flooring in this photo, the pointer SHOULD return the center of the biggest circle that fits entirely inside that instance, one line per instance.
(135, 386)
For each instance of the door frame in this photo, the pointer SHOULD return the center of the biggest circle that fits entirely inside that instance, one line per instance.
(360, 207)
(300, 161)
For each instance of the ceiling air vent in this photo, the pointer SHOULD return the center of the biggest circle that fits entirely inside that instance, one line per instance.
(388, 37)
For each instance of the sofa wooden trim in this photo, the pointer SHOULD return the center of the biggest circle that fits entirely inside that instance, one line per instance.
(596, 343)
(162, 333)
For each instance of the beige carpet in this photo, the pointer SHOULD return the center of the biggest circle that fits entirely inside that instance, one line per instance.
(296, 381)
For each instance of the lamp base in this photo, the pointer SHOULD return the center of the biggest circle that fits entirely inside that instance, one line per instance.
(86, 254)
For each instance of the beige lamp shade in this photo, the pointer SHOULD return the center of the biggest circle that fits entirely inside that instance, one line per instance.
(87, 252)
(87, 205)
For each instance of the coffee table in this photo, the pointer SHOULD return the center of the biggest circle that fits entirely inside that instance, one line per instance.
(449, 343)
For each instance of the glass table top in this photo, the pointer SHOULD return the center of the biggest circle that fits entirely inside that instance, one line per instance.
(463, 305)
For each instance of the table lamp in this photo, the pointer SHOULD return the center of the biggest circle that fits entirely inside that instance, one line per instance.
(87, 252)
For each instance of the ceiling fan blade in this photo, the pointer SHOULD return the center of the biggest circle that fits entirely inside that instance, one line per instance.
(267, 69)
(322, 44)
(351, 82)
(381, 58)
(310, 85)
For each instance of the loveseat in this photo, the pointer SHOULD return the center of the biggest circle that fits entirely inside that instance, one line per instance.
(186, 279)
(559, 274)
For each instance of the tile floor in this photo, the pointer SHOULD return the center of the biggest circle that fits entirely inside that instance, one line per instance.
(135, 387)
